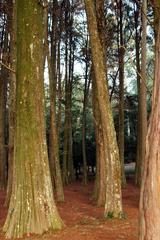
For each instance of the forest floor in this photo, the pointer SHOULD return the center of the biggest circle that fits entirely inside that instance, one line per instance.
(84, 220)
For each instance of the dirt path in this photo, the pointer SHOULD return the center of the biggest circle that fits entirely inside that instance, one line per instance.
(84, 220)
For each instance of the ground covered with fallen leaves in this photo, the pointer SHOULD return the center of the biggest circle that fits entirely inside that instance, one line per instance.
(84, 220)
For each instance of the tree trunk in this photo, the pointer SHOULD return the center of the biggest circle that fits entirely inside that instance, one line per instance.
(3, 112)
(113, 205)
(100, 183)
(121, 93)
(32, 208)
(142, 98)
(12, 101)
(85, 98)
(150, 194)
(137, 44)
(53, 140)
(2, 131)
(53, 143)
(59, 113)
(70, 83)
(68, 169)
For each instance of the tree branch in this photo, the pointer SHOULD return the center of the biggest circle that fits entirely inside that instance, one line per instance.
(7, 67)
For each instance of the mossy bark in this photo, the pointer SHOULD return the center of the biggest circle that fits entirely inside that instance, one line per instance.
(32, 208)
(113, 204)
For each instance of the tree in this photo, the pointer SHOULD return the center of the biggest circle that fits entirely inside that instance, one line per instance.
(121, 53)
(142, 128)
(113, 204)
(32, 208)
(12, 99)
(85, 100)
(137, 46)
(68, 168)
(150, 197)
(53, 138)
(100, 183)
(3, 98)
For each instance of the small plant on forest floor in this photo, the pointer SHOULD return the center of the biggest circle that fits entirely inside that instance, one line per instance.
(110, 215)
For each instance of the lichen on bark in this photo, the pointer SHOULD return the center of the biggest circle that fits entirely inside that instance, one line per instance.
(32, 209)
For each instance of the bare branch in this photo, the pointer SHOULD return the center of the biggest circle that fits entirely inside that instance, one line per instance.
(7, 67)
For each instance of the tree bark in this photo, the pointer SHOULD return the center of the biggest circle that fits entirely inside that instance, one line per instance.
(142, 98)
(53, 140)
(150, 193)
(12, 101)
(137, 44)
(121, 92)
(32, 208)
(113, 205)
(100, 183)
(68, 169)
(85, 100)
(4, 76)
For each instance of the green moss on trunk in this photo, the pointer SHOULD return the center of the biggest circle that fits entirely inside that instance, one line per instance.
(32, 208)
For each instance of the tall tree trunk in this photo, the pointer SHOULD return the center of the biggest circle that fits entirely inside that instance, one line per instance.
(137, 44)
(53, 143)
(70, 83)
(53, 140)
(85, 98)
(113, 205)
(3, 98)
(142, 97)
(150, 193)
(12, 101)
(59, 77)
(66, 126)
(100, 183)
(32, 208)
(2, 131)
(68, 169)
(121, 92)
(59, 113)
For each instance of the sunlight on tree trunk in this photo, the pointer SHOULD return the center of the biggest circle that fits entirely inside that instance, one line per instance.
(113, 205)
(100, 183)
